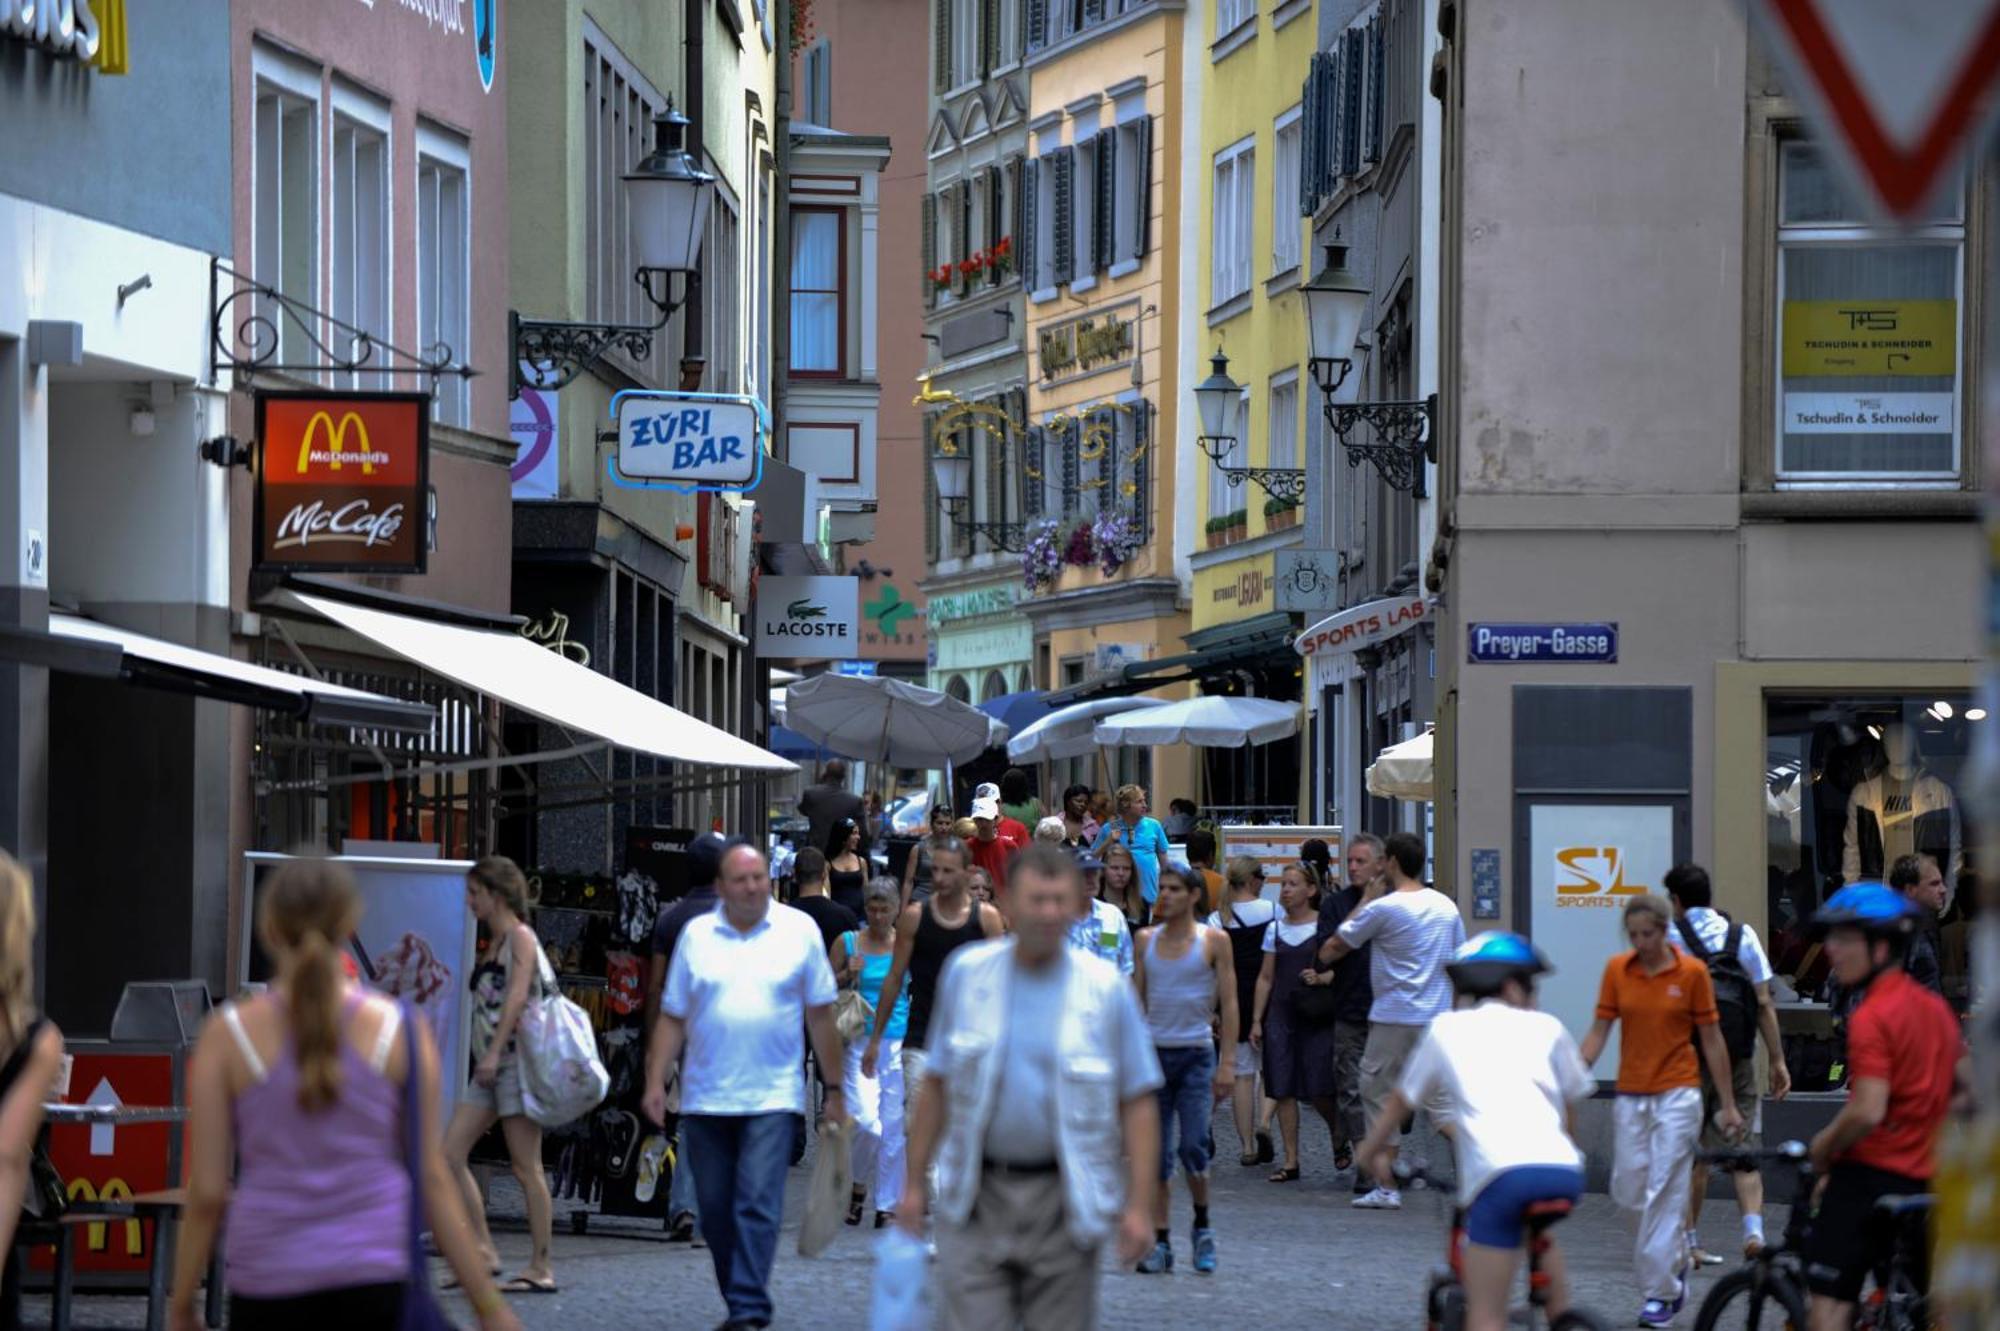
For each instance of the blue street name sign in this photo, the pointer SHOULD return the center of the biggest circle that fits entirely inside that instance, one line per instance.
(1515, 644)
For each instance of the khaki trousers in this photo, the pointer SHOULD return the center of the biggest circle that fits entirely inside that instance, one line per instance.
(1013, 1264)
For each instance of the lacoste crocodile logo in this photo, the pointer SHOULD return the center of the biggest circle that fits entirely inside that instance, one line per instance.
(804, 608)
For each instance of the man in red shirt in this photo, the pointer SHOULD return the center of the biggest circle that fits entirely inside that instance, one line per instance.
(1903, 1050)
(998, 840)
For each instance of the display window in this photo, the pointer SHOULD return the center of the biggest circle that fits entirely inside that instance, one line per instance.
(1855, 786)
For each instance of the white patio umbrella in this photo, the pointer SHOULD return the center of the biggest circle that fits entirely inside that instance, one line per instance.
(1403, 771)
(1066, 733)
(872, 719)
(1210, 722)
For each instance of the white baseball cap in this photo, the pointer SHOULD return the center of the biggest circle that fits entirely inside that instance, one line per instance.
(986, 790)
(986, 807)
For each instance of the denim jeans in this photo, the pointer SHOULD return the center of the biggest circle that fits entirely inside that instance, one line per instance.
(739, 1176)
(1188, 1093)
(680, 1190)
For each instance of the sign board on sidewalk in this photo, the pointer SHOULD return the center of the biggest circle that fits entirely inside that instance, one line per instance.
(1585, 862)
(1275, 847)
(808, 618)
(1561, 644)
(1900, 91)
(710, 441)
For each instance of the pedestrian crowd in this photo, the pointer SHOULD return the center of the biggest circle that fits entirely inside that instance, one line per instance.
(1023, 1071)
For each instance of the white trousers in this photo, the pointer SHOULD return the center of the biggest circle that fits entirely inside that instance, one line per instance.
(877, 1105)
(1654, 1150)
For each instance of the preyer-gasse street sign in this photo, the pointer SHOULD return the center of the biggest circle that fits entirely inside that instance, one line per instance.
(1900, 89)
(1517, 644)
(701, 440)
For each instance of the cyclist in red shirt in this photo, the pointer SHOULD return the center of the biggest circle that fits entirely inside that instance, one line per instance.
(1903, 1048)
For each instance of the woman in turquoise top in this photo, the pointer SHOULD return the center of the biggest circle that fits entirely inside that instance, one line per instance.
(1141, 835)
(861, 959)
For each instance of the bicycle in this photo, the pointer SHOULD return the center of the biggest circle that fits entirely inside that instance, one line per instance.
(1444, 1298)
(1776, 1275)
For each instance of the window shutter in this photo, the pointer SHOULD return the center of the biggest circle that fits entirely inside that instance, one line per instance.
(1312, 141)
(996, 472)
(1371, 146)
(1038, 24)
(1142, 178)
(962, 218)
(1024, 214)
(1065, 214)
(931, 505)
(996, 219)
(928, 214)
(1093, 12)
(1108, 495)
(941, 43)
(1068, 439)
(989, 36)
(1104, 211)
(1355, 75)
(1138, 505)
(1036, 460)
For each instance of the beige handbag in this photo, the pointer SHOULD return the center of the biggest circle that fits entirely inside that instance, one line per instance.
(853, 1015)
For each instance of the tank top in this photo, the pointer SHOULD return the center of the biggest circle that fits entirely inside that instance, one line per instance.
(1246, 947)
(322, 1199)
(845, 887)
(489, 982)
(875, 974)
(1180, 994)
(933, 944)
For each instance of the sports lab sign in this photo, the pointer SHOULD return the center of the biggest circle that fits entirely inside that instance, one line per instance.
(341, 481)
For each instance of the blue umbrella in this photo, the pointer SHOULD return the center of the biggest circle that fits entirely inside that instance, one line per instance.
(1017, 711)
(788, 743)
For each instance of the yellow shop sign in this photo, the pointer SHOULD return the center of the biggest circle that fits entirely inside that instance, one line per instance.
(1845, 338)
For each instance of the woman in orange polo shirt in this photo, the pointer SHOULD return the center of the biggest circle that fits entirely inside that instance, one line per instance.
(1663, 997)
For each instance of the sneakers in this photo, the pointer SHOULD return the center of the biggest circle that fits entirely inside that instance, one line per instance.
(1204, 1252)
(1159, 1261)
(1656, 1312)
(1378, 1199)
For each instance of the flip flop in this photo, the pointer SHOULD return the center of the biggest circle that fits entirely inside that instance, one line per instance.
(1290, 1175)
(527, 1285)
(1248, 1160)
(1343, 1158)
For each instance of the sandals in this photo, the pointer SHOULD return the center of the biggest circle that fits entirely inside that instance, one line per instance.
(1343, 1157)
(527, 1285)
(1266, 1151)
(1289, 1174)
(856, 1206)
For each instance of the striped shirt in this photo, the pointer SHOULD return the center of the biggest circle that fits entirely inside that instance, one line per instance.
(1414, 934)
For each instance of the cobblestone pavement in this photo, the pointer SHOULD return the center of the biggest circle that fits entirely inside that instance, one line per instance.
(1293, 1255)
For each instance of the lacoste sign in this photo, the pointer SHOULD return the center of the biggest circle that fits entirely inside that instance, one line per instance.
(808, 618)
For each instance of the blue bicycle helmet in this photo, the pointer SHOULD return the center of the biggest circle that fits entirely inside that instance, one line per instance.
(1876, 908)
(1486, 961)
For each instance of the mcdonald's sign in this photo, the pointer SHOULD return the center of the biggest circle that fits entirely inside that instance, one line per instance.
(342, 481)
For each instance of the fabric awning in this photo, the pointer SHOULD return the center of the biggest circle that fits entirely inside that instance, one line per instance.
(80, 646)
(530, 677)
(1403, 771)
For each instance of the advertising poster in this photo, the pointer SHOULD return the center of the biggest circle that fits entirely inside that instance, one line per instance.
(109, 1164)
(1585, 861)
(416, 941)
(1275, 847)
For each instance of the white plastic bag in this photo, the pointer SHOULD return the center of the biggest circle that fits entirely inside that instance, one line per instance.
(562, 1078)
(901, 1297)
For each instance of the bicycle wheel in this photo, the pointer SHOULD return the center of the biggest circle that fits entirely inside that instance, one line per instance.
(1579, 1319)
(1748, 1299)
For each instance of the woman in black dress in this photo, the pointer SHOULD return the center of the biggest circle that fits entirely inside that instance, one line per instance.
(1298, 1052)
(846, 871)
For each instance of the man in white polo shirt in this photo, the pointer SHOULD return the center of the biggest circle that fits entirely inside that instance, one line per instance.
(747, 982)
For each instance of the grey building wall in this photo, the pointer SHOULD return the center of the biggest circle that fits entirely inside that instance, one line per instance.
(148, 150)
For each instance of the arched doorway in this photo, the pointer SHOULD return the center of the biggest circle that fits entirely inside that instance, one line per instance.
(995, 687)
(956, 687)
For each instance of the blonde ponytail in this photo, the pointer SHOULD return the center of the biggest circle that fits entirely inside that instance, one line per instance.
(17, 952)
(307, 905)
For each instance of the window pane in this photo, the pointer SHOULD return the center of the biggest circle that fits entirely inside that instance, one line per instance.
(1813, 194)
(1870, 357)
(815, 331)
(1284, 427)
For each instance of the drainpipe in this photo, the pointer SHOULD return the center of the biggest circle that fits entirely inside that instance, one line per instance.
(694, 16)
(781, 229)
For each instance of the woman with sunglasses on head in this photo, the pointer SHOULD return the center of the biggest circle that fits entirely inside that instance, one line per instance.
(846, 870)
(917, 868)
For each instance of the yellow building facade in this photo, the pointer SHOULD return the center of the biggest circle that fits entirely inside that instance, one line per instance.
(1099, 254)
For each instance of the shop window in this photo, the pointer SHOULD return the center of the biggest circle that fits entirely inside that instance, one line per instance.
(818, 237)
(444, 223)
(1851, 786)
(1870, 325)
(359, 237)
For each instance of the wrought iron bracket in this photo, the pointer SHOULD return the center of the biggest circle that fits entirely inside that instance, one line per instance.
(1401, 438)
(549, 353)
(1279, 482)
(247, 335)
(1011, 537)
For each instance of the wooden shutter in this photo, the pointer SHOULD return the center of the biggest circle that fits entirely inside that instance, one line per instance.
(1024, 212)
(1093, 12)
(927, 213)
(1068, 436)
(1139, 504)
(1064, 231)
(1035, 460)
(1038, 24)
(1371, 121)
(931, 505)
(1311, 140)
(962, 219)
(996, 218)
(989, 36)
(1142, 183)
(941, 44)
(1354, 76)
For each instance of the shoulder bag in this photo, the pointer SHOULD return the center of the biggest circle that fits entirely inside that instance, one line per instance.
(420, 1306)
(562, 1077)
(853, 1014)
(1313, 1004)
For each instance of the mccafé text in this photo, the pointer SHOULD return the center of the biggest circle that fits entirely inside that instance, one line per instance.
(354, 523)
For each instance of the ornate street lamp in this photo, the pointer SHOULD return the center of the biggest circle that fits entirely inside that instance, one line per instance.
(667, 197)
(1218, 400)
(1399, 435)
(952, 468)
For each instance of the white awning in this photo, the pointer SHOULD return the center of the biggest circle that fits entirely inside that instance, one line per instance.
(156, 663)
(534, 679)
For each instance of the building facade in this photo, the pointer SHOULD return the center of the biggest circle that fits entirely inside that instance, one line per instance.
(1101, 472)
(1712, 556)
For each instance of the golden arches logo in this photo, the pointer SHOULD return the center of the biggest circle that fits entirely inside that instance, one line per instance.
(114, 1190)
(336, 443)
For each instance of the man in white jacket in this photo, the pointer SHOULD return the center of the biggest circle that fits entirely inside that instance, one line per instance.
(1038, 1105)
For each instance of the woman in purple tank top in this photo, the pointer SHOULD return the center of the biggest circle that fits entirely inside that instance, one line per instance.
(304, 1087)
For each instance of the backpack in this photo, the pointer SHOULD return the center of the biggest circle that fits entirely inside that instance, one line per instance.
(1735, 995)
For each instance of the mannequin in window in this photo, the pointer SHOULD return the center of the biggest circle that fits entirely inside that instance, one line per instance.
(1904, 809)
